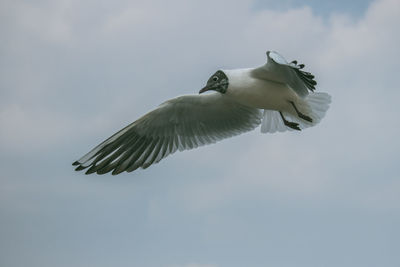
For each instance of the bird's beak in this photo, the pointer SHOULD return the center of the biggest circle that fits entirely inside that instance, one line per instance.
(206, 88)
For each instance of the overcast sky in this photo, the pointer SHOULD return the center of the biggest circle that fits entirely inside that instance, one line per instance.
(74, 72)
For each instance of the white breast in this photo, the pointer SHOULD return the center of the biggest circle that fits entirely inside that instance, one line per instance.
(257, 93)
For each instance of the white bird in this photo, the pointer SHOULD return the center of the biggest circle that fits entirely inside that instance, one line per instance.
(280, 88)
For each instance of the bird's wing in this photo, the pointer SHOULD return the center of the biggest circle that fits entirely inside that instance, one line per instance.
(182, 123)
(279, 70)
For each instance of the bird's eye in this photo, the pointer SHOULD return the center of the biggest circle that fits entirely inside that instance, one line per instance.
(215, 78)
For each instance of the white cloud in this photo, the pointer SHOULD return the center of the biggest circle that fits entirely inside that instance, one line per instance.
(73, 72)
(355, 60)
(49, 20)
(341, 52)
(35, 130)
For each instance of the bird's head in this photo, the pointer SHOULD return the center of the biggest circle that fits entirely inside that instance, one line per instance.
(217, 82)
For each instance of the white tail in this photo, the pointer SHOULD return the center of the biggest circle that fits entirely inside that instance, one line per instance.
(318, 104)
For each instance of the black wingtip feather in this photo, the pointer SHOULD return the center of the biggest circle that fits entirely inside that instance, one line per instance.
(80, 167)
(106, 169)
(307, 77)
(116, 171)
(75, 163)
(91, 170)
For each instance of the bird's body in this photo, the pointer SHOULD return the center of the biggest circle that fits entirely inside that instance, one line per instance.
(251, 91)
(279, 88)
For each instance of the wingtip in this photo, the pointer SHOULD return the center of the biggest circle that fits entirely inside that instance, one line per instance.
(91, 170)
(75, 163)
(80, 167)
(117, 171)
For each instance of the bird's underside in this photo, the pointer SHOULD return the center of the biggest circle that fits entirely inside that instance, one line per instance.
(190, 121)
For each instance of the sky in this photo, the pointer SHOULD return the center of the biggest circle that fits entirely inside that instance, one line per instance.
(74, 72)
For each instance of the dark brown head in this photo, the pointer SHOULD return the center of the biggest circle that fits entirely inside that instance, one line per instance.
(217, 82)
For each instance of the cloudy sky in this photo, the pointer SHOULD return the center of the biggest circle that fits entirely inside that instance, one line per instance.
(74, 72)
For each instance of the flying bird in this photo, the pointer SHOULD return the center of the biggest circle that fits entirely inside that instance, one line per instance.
(233, 106)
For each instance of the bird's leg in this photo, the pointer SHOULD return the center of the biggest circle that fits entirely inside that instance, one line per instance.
(290, 124)
(301, 115)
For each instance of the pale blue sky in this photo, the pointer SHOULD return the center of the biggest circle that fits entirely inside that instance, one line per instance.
(324, 8)
(74, 72)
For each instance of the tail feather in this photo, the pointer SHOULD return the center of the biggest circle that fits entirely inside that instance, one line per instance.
(272, 122)
(318, 104)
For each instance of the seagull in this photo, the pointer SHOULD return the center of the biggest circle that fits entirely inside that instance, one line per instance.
(278, 95)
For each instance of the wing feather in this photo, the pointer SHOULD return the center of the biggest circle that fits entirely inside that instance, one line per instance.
(182, 123)
(277, 69)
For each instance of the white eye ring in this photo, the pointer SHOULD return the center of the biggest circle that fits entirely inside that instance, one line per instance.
(215, 78)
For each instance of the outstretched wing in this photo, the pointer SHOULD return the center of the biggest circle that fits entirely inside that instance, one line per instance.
(182, 123)
(279, 70)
